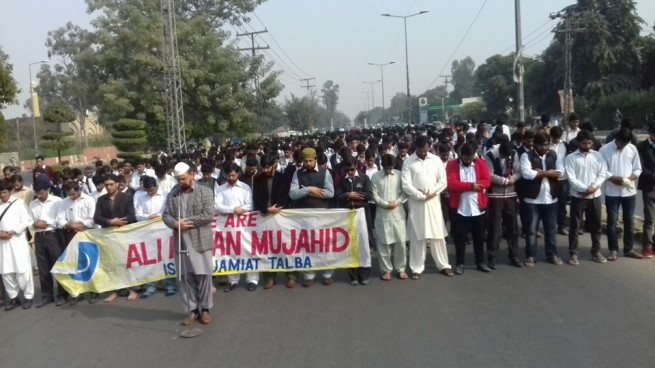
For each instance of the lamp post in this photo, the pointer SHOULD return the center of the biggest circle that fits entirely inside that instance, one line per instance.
(32, 84)
(382, 82)
(404, 17)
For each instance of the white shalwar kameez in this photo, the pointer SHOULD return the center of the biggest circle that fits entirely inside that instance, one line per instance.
(15, 260)
(425, 221)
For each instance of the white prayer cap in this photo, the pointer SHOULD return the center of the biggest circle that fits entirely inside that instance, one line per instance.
(180, 169)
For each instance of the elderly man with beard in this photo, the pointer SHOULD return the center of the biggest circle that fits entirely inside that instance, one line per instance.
(270, 194)
(423, 179)
(586, 170)
(312, 187)
(189, 211)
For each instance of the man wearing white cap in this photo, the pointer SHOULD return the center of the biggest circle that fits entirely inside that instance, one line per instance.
(189, 211)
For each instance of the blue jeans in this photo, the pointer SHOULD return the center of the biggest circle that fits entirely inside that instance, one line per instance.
(547, 213)
(169, 286)
(627, 204)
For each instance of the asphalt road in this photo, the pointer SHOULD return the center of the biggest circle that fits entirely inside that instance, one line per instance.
(587, 316)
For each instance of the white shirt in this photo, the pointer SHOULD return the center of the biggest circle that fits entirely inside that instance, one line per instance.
(146, 205)
(228, 197)
(585, 170)
(505, 130)
(468, 201)
(370, 171)
(88, 187)
(545, 196)
(623, 163)
(167, 183)
(560, 150)
(95, 195)
(46, 211)
(81, 210)
(570, 135)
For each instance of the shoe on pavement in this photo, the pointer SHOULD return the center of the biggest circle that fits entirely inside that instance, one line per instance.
(539, 235)
(563, 231)
(27, 304)
(459, 269)
(269, 284)
(13, 303)
(328, 281)
(514, 261)
(648, 252)
(308, 283)
(230, 287)
(252, 286)
(205, 318)
(365, 282)
(44, 302)
(634, 254)
(529, 262)
(599, 258)
(190, 319)
(353, 283)
(613, 256)
(557, 261)
(580, 232)
(60, 301)
(483, 268)
(573, 261)
(491, 263)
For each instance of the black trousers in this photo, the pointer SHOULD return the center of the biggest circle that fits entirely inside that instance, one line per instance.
(462, 225)
(48, 248)
(502, 221)
(592, 209)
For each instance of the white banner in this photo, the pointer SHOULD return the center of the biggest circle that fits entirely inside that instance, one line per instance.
(101, 260)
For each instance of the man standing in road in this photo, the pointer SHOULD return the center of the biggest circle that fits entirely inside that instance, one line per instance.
(47, 245)
(189, 211)
(312, 187)
(620, 190)
(114, 209)
(646, 184)
(586, 170)
(390, 219)
(423, 179)
(15, 263)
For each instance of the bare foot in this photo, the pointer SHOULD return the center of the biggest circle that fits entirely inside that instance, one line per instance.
(132, 296)
(111, 298)
(386, 276)
(213, 290)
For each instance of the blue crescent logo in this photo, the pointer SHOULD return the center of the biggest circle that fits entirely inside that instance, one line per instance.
(87, 261)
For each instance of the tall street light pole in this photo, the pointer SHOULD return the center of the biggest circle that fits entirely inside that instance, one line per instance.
(36, 146)
(382, 82)
(404, 17)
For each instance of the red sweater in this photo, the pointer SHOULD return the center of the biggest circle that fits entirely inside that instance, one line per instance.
(457, 187)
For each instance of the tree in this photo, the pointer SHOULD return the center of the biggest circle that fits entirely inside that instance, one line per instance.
(8, 92)
(126, 52)
(605, 56)
(75, 75)
(494, 79)
(330, 92)
(302, 113)
(473, 110)
(463, 82)
(60, 138)
(129, 137)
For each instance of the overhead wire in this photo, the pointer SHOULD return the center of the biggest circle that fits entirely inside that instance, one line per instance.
(525, 41)
(459, 44)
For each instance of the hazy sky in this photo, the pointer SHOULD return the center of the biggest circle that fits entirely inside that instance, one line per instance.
(332, 39)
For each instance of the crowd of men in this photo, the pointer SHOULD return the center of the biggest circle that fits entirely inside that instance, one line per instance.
(412, 182)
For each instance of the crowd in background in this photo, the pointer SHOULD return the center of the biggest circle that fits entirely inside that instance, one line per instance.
(421, 188)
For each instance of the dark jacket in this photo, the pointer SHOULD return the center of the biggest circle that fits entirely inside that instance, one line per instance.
(533, 187)
(278, 196)
(123, 208)
(359, 184)
(647, 156)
